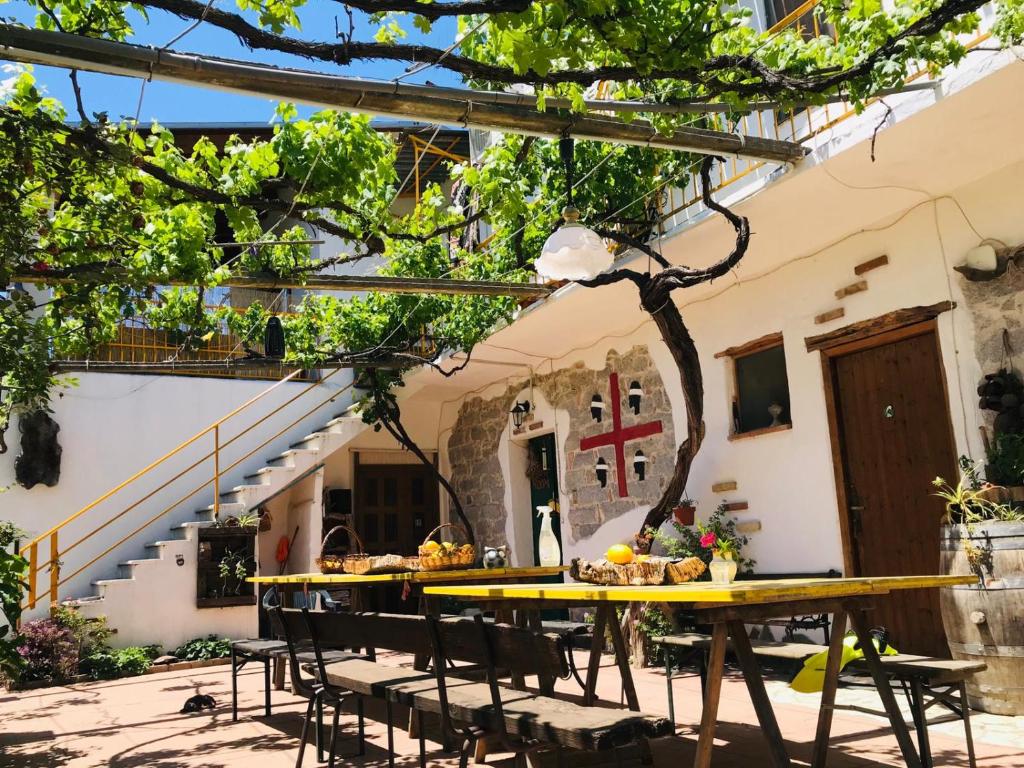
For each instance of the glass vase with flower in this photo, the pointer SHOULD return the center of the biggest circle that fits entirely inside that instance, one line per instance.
(723, 564)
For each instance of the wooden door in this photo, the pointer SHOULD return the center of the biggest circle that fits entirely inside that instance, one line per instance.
(396, 505)
(891, 416)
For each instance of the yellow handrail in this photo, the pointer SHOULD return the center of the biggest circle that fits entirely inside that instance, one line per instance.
(54, 560)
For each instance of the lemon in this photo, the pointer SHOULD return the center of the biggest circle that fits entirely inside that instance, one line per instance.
(430, 547)
(619, 554)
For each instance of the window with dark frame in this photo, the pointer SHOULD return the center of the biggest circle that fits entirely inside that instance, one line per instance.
(761, 400)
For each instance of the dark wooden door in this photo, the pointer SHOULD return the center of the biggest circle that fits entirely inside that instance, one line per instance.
(892, 416)
(396, 505)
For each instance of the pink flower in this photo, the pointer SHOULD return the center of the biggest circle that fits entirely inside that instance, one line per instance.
(708, 540)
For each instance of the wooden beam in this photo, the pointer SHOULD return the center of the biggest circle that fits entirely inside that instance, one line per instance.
(750, 347)
(373, 283)
(36, 46)
(214, 366)
(867, 266)
(887, 322)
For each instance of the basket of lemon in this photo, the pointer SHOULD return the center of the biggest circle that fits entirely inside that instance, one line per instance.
(446, 555)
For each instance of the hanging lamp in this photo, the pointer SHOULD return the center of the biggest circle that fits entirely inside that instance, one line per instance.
(573, 251)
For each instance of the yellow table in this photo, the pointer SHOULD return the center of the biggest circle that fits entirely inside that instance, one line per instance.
(728, 607)
(417, 577)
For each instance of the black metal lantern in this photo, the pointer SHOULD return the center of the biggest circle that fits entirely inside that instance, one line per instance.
(273, 339)
(640, 464)
(635, 393)
(601, 468)
(597, 408)
(519, 411)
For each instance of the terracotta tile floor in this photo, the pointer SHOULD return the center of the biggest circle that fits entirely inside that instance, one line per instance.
(135, 722)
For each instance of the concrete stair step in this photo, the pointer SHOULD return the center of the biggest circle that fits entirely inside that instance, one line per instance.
(238, 490)
(109, 582)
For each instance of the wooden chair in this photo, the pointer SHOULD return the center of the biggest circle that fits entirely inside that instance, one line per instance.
(296, 628)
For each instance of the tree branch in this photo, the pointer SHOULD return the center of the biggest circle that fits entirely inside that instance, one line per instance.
(435, 11)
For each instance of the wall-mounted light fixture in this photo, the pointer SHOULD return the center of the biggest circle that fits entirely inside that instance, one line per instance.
(597, 408)
(640, 464)
(273, 339)
(519, 411)
(601, 468)
(635, 393)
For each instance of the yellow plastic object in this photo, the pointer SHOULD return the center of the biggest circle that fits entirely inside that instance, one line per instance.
(811, 679)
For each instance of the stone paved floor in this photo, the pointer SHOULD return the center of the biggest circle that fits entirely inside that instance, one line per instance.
(135, 722)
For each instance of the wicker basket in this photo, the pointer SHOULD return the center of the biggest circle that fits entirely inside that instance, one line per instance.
(682, 571)
(358, 563)
(449, 556)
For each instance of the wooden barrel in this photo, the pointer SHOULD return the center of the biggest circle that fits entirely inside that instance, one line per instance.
(985, 621)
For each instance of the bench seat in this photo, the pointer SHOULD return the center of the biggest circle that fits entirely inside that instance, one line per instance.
(527, 715)
(769, 648)
(924, 668)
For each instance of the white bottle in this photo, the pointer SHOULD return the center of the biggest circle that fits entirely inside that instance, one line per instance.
(547, 544)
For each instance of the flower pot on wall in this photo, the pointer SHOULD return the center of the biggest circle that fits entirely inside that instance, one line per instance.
(982, 621)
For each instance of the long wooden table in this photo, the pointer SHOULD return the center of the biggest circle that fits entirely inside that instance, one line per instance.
(728, 607)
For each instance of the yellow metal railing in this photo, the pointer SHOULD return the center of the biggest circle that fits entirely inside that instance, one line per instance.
(52, 537)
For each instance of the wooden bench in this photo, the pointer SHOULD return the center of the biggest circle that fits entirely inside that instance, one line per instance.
(520, 721)
(926, 681)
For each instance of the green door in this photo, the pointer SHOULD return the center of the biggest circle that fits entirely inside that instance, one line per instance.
(542, 471)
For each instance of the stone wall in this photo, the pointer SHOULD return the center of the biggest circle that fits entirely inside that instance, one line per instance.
(473, 448)
(995, 305)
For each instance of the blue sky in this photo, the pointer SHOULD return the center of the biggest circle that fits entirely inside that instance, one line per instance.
(171, 103)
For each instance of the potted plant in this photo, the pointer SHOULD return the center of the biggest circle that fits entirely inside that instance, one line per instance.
(984, 537)
(685, 511)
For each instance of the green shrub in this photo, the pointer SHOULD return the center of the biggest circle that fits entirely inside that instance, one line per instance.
(109, 663)
(204, 648)
(13, 569)
(686, 542)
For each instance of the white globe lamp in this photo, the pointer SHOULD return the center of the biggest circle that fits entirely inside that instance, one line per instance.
(573, 252)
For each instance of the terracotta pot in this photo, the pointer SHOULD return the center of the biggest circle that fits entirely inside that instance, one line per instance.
(684, 514)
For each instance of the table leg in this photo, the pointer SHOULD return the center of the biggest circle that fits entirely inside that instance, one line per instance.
(596, 647)
(899, 726)
(758, 694)
(622, 659)
(712, 693)
(545, 683)
(828, 691)
(431, 606)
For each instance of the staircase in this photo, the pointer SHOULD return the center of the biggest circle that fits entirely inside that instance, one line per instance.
(152, 599)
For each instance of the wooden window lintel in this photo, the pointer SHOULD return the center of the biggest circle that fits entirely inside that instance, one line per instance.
(757, 345)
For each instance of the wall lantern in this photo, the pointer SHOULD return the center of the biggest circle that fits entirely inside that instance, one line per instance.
(640, 464)
(273, 339)
(602, 472)
(635, 393)
(519, 411)
(597, 408)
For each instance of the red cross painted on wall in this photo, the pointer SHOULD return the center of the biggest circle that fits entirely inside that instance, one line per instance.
(619, 435)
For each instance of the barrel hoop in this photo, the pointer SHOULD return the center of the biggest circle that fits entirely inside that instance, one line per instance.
(978, 649)
(986, 543)
(1006, 582)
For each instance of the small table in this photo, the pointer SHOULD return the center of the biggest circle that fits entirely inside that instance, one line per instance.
(728, 607)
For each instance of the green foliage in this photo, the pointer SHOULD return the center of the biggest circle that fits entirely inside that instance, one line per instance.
(108, 663)
(204, 648)
(1005, 464)
(686, 540)
(968, 502)
(13, 570)
(91, 635)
